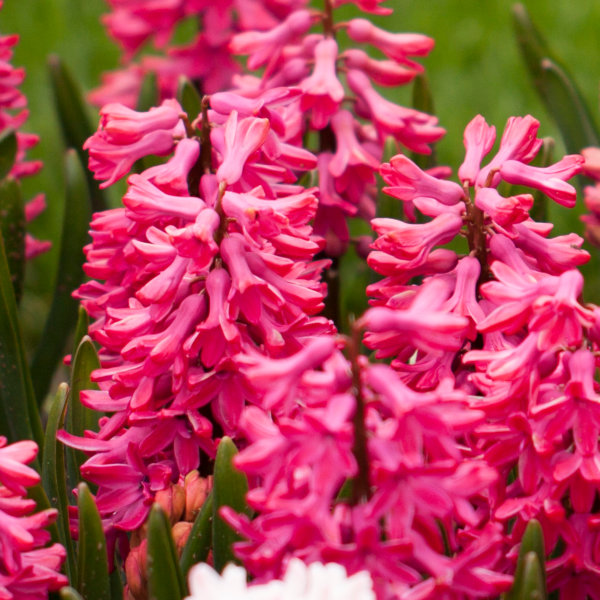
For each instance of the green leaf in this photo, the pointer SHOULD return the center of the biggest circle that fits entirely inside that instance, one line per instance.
(74, 121)
(84, 363)
(530, 574)
(80, 417)
(12, 222)
(230, 487)
(8, 152)
(63, 310)
(422, 100)
(189, 98)
(532, 584)
(92, 568)
(198, 544)
(19, 416)
(566, 104)
(149, 95)
(556, 87)
(53, 470)
(81, 329)
(69, 593)
(165, 579)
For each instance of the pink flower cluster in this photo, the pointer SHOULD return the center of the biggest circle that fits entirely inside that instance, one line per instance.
(507, 323)
(28, 569)
(13, 114)
(210, 258)
(205, 59)
(350, 149)
(419, 525)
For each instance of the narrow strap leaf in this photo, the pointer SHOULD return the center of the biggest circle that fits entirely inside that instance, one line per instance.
(230, 487)
(74, 120)
(92, 568)
(556, 87)
(188, 97)
(63, 310)
(8, 152)
(81, 328)
(53, 478)
(198, 544)
(19, 416)
(13, 230)
(165, 579)
(149, 95)
(532, 543)
(422, 99)
(85, 362)
(69, 593)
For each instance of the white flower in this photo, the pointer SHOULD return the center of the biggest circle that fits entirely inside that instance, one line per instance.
(301, 582)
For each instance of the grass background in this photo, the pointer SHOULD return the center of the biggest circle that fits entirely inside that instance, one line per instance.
(474, 68)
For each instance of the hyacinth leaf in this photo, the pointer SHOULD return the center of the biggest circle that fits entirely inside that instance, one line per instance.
(92, 564)
(189, 98)
(74, 121)
(422, 100)
(19, 416)
(69, 593)
(165, 579)
(53, 469)
(8, 152)
(148, 96)
(230, 487)
(198, 544)
(532, 542)
(85, 361)
(12, 221)
(63, 310)
(81, 328)
(531, 584)
(556, 87)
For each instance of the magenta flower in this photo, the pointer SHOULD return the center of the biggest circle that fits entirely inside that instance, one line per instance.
(28, 568)
(125, 136)
(13, 115)
(209, 259)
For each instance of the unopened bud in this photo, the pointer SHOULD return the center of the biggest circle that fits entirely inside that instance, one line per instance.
(172, 501)
(136, 572)
(196, 491)
(181, 533)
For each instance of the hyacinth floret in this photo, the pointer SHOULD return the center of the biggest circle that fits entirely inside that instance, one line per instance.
(210, 256)
(29, 568)
(304, 457)
(527, 353)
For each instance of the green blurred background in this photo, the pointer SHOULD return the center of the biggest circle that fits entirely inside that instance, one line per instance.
(474, 68)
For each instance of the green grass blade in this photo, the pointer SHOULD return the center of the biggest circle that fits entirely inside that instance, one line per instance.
(63, 310)
(92, 566)
(230, 487)
(53, 470)
(165, 579)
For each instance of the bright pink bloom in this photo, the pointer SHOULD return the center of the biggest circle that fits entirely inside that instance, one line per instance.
(28, 569)
(125, 135)
(395, 45)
